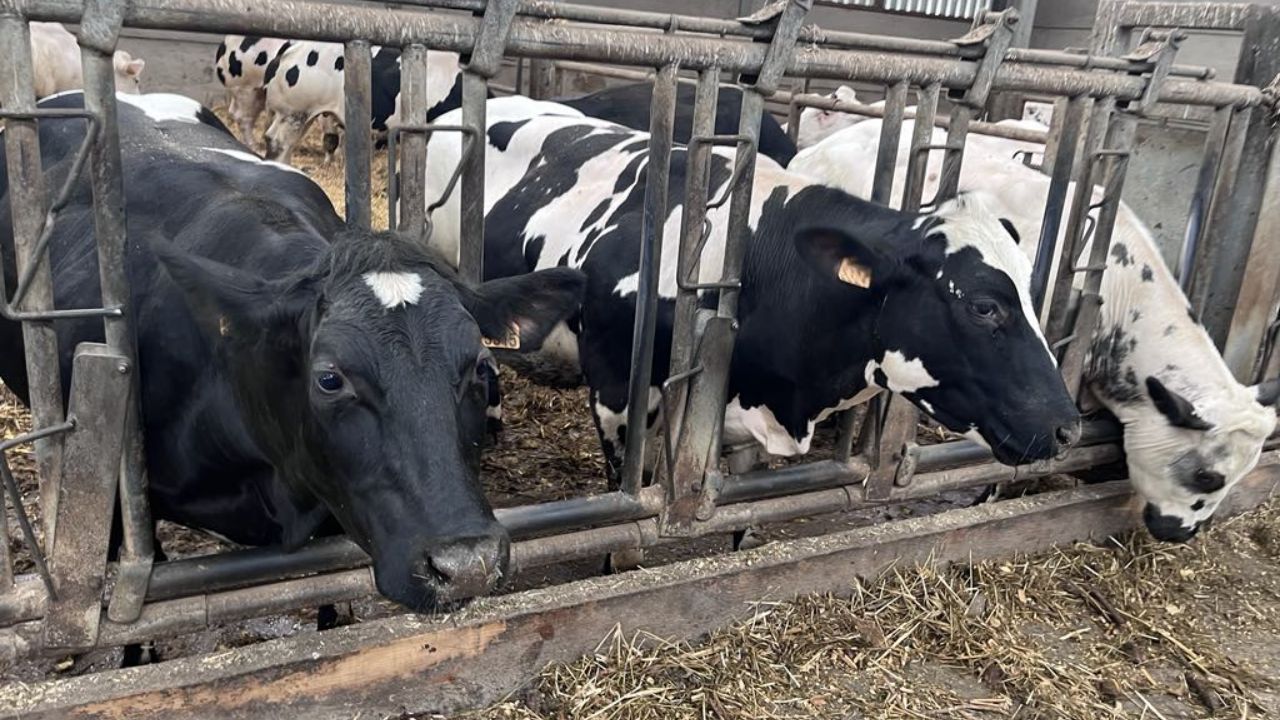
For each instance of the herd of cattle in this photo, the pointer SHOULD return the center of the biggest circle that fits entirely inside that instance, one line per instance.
(302, 378)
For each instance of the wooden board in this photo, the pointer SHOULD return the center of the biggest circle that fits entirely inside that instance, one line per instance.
(495, 646)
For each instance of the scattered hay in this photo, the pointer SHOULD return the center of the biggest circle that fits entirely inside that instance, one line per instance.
(1129, 629)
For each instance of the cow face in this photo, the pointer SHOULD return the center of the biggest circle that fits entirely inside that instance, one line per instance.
(1185, 456)
(953, 331)
(365, 381)
(128, 72)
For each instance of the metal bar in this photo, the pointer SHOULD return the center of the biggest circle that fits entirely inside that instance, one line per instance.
(316, 21)
(658, 175)
(1249, 351)
(98, 32)
(101, 385)
(27, 205)
(357, 77)
(684, 339)
(856, 108)
(895, 103)
(475, 92)
(412, 196)
(921, 138)
(1066, 132)
(1058, 323)
(1214, 144)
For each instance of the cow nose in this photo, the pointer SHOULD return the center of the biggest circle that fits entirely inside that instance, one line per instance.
(1068, 435)
(469, 566)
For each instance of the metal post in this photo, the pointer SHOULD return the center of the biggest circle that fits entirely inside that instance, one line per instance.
(485, 62)
(27, 200)
(661, 124)
(1065, 132)
(921, 139)
(413, 151)
(1214, 145)
(358, 63)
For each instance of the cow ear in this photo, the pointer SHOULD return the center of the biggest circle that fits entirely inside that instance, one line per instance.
(836, 254)
(1009, 228)
(1267, 392)
(517, 313)
(1177, 410)
(221, 297)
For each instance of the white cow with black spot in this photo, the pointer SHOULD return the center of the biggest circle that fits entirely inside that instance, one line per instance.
(840, 298)
(1191, 430)
(240, 63)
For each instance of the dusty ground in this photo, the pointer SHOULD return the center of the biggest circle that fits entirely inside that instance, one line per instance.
(1129, 630)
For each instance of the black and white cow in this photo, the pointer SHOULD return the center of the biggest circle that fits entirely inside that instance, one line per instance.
(306, 82)
(292, 373)
(240, 63)
(1190, 430)
(630, 105)
(840, 298)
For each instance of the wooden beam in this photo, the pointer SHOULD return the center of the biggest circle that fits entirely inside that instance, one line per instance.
(494, 646)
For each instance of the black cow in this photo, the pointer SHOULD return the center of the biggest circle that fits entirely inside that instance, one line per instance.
(292, 373)
(840, 297)
(629, 105)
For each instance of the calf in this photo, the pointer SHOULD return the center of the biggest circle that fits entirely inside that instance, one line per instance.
(1190, 430)
(296, 378)
(306, 82)
(240, 63)
(840, 298)
(817, 124)
(630, 105)
(55, 57)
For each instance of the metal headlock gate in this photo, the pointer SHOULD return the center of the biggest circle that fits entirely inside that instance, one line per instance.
(90, 452)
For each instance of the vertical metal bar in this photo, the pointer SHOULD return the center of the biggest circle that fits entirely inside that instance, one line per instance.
(413, 146)
(1051, 144)
(953, 156)
(520, 76)
(658, 169)
(98, 33)
(1059, 320)
(1214, 143)
(1119, 144)
(475, 90)
(27, 200)
(357, 64)
(895, 104)
(922, 136)
(881, 192)
(737, 231)
(6, 556)
(793, 121)
(1064, 133)
(541, 79)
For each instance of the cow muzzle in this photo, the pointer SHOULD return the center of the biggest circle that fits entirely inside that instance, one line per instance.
(465, 567)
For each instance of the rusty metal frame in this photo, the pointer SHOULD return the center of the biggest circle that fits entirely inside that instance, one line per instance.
(1103, 94)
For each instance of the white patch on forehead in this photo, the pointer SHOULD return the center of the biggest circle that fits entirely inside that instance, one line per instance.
(251, 158)
(903, 375)
(164, 106)
(394, 289)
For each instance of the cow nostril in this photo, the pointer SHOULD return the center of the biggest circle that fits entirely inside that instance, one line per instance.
(466, 567)
(1068, 435)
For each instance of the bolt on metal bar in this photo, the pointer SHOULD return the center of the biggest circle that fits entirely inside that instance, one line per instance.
(1065, 132)
(27, 201)
(413, 156)
(658, 175)
(1211, 157)
(357, 81)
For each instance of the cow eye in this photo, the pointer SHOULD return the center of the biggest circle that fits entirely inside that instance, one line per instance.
(986, 309)
(1208, 481)
(329, 381)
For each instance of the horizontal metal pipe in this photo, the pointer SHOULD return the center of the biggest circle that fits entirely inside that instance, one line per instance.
(943, 121)
(529, 38)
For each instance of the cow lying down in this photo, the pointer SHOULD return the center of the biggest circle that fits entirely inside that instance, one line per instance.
(840, 298)
(1190, 430)
(296, 379)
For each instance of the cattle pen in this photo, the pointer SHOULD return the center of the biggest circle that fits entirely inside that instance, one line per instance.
(89, 453)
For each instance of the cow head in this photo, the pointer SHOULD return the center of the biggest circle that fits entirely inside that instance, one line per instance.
(1184, 454)
(816, 124)
(128, 72)
(365, 381)
(954, 331)
(284, 132)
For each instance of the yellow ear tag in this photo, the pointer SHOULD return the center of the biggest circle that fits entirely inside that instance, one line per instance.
(224, 326)
(510, 342)
(854, 274)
